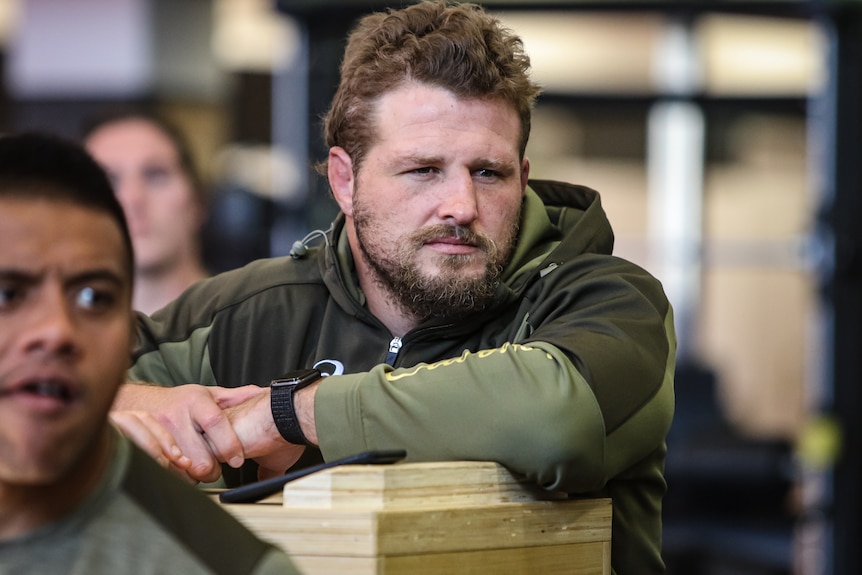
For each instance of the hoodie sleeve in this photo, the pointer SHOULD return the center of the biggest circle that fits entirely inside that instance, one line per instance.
(586, 395)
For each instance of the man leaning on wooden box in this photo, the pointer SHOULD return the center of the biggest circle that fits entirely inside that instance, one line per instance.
(455, 308)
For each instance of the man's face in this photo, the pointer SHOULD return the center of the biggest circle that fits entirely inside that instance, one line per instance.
(163, 213)
(437, 201)
(65, 334)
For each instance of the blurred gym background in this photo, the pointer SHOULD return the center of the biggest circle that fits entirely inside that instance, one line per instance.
(723, 135)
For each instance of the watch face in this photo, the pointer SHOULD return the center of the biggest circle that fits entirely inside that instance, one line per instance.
(298, 377)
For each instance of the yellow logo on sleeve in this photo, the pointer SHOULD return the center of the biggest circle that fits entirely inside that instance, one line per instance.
(505, 348)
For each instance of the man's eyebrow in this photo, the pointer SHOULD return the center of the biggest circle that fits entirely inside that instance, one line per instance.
(18, 275)
(494, 163)
(97, 274)
(418, 160)
(478, 163)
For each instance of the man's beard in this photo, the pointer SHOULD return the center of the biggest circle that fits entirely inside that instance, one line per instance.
(448, 295)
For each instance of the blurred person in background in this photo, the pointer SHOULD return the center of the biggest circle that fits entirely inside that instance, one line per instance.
(155, 179)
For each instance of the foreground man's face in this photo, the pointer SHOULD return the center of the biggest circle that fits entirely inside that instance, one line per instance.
(65, 299)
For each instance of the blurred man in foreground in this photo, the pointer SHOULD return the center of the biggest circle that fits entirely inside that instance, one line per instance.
(76, 497)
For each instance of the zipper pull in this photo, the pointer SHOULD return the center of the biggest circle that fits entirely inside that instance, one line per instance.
(394, 348)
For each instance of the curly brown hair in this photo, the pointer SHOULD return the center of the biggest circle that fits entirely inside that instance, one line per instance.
(456, 46)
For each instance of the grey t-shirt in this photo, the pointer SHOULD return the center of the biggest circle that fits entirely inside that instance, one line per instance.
(143, 520)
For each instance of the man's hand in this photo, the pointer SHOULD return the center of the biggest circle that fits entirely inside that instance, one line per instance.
(192, 416)
(252, 420)
(148, 434)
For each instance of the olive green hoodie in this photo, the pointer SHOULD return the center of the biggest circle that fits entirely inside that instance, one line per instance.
(567, 378)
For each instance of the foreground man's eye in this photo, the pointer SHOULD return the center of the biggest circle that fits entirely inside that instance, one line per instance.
(92, 298)
(9, 295)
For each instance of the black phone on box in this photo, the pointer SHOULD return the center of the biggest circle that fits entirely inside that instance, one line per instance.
(260, 489)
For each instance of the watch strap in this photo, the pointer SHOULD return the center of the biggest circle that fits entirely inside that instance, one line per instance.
(282, 392)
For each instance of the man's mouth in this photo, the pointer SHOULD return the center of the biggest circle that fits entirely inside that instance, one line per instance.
(451, 240)
(49, 388)
(53, 389)
(460, 238)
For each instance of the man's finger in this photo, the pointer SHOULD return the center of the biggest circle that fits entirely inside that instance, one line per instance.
(219, 436)
(150, 436)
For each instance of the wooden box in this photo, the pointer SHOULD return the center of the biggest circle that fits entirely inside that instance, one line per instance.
(431, 518)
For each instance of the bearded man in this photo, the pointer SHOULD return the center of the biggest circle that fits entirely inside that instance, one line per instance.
(455, 309)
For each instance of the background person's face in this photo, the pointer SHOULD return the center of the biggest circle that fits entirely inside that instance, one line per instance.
(65, 335)
(163, 213)
(438, 198)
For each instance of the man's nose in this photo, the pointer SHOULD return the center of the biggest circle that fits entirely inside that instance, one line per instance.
(131, 193)
(459, 203)
(51, 328)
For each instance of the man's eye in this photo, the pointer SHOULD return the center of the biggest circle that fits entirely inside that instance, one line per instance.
(8, 296)
(93, 298)
(157, 175)
(487, 173)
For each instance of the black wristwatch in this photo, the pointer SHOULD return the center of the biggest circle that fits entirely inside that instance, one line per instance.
(281, 402)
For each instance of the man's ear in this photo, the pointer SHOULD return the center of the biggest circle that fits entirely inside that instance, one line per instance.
(340, 173)
(525, 173)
